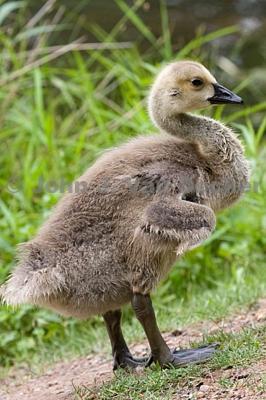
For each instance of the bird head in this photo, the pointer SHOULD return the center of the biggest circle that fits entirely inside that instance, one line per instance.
(185, 86)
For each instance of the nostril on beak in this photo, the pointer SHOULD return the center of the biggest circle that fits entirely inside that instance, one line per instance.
(225, 92)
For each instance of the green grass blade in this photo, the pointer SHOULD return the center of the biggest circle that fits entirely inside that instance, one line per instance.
(38, 30)
(7, 8)
(199, 41)
(136, 20)
(261, 132)
(166, 31)
(245, 112)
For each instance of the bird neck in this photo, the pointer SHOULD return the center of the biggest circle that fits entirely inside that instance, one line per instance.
(217, 142)
(179, 124)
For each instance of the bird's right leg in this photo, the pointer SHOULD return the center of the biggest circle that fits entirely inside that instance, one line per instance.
(160, 352)
(121, 354)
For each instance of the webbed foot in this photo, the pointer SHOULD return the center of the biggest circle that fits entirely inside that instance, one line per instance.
(182, 358)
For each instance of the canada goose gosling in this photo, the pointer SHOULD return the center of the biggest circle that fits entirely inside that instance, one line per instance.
(144, 204)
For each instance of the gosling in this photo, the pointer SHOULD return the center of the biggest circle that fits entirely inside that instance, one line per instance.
(140, 207)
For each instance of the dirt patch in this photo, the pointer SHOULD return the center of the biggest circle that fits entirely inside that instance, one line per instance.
(230, 384)
(59, 381)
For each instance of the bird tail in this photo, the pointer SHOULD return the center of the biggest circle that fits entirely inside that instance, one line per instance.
(34, 279)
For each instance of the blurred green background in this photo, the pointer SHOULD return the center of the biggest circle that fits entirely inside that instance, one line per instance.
(73, 82)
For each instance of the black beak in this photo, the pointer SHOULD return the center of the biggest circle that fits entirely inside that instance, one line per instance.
(223, 96)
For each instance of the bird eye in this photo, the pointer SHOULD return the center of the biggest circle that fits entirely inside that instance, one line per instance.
(197, 82)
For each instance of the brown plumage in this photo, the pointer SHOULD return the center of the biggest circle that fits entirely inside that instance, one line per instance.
(142, 205)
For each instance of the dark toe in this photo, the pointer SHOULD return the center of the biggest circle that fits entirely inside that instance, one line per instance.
(127, 361)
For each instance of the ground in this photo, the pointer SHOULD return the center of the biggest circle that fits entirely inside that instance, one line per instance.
(91, 377)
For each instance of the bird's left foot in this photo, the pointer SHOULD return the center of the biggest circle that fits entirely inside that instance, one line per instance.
(182, 358)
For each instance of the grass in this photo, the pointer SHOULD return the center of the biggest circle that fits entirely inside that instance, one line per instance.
(59, 109)
(237, 350)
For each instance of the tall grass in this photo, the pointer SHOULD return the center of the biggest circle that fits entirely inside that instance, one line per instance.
(60, 107)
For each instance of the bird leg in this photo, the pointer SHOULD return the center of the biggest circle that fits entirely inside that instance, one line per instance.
(121, 354)
(161, 353)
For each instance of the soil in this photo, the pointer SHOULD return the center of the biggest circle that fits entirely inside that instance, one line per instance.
(230, 384)
(60, 380)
